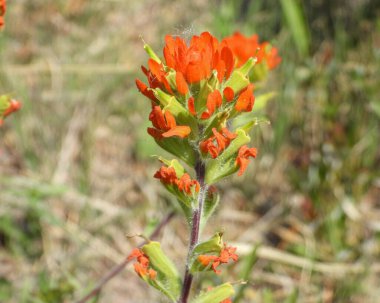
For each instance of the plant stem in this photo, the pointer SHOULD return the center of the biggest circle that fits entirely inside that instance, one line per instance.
(195, 226)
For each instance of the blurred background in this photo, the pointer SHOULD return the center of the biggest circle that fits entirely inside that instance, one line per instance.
(76, 167)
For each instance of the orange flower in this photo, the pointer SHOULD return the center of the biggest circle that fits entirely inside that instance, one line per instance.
(244, 48)
(2, 12)
(142, 264)
(222, 141)
(167, 175)
(246, 99)
(14, 106)
(197, 60)
(227, 253)
(242, 159)
(165, 125)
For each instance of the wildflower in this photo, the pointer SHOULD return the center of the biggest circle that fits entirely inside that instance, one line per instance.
(142, 264)
(2, 12)
(165, 125)
(226, 254)
(218, 142)
(168, 176)
(242, 159)
(244, 48)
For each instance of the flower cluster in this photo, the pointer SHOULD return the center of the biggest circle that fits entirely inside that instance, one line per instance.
(142, 264)
(2, 12)
(227, 253)
(168, 176)
(7, 107)
(197, 87)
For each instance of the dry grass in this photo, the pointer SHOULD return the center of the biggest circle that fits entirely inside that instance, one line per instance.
(76, 176)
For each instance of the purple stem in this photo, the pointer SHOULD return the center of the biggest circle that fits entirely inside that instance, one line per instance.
(194, 234)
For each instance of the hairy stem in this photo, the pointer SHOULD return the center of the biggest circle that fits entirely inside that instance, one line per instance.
(195, 226)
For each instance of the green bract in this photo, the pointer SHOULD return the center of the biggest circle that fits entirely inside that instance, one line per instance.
(167, 280)
(216, 295)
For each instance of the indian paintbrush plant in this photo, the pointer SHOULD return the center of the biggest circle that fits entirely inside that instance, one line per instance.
(196, 90)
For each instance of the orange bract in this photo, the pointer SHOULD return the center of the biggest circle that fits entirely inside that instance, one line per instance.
(218, 142)
(165, 125)
(167, 175)
(246, 99)
(214, 101)
(227, 253)
(242, 159)
(197, 60)
(142, 265)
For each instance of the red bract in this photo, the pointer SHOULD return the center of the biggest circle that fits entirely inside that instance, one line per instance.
(242, 159)
(165, 125)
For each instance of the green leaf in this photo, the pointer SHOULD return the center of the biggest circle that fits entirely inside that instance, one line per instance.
(180, 148)
(210, 204)
(216, 295)
(201, 91)
(213, 245)
(295, 19)
(216, 122)
(167, 280)
(239, 79)
(179, 170)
